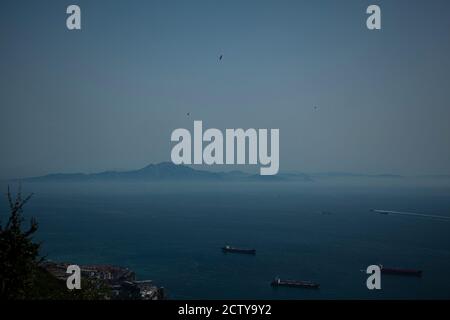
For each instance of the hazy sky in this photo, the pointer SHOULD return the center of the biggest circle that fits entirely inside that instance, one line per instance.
(109, 96)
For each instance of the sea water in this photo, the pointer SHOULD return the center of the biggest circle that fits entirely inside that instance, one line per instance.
(172, 233)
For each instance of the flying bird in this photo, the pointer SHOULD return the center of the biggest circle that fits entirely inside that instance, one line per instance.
(221, 56)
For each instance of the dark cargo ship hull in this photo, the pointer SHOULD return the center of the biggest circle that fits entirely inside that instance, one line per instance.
(238, 250)
(295, 284)
(402, 272)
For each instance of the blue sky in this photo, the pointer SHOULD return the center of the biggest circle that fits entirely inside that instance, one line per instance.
(109, 96)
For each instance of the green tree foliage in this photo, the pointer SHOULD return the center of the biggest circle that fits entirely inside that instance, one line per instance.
(19, 255)
(21, 273)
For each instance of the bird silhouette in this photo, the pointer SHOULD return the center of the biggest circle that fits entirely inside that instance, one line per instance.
(221, 56)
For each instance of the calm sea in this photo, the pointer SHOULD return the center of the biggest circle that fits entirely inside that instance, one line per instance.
(172, 234)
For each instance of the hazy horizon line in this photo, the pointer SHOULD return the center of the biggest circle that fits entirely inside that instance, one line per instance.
(234, 169)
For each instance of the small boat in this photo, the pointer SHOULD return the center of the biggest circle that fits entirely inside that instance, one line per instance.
(380, 211)
(277, 282)
(401, 271)
(231, 249)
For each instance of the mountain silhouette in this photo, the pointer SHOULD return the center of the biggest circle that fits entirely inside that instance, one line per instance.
(164, 171)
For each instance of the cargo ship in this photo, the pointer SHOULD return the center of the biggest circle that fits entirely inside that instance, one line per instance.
(231, 249)
(277, 282)
(401, 271)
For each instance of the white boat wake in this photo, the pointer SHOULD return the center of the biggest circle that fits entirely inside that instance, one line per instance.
(413, 214)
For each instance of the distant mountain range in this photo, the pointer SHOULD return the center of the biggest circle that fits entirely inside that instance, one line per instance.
(165, 171)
